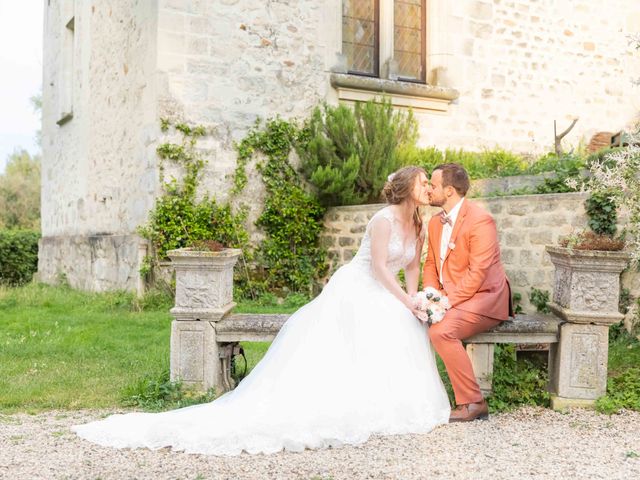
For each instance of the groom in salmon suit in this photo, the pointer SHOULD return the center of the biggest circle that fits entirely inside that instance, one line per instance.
(463, 261)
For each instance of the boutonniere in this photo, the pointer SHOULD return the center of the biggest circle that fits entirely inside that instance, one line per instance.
(452, 246)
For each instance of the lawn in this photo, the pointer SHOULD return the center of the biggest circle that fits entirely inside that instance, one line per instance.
(65, 349)
(61, 348)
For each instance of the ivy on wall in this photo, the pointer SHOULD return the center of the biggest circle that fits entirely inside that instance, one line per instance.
(178, 218)
(290, 257)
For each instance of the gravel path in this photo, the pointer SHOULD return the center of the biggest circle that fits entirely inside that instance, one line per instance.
(531, 443)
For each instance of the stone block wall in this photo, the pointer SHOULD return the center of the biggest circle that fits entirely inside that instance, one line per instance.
(96, 262)
(99, 167)
(520, 64)
(525, 225)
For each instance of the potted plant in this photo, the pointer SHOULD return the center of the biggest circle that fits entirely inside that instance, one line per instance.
(588, 266)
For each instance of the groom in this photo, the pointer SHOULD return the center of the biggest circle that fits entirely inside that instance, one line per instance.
(463, 261)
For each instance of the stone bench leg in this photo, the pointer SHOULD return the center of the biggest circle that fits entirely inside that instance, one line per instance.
(227, 351)
(194, 355)
(481, 355)
(580, 374)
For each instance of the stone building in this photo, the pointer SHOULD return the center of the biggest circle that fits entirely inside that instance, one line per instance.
(476, 73)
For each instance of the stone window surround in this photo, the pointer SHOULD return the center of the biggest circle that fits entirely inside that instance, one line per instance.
(407, 94)
(65, 77)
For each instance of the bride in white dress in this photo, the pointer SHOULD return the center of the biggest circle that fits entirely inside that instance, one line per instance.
(353, 362)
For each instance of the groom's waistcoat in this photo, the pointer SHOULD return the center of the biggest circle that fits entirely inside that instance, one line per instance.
(473, 276)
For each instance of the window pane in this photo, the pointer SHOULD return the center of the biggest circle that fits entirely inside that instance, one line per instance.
(359, 35)
(408, 38)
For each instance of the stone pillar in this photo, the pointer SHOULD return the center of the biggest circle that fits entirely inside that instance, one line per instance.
(481, 355)
(585, 297)
(204, 295)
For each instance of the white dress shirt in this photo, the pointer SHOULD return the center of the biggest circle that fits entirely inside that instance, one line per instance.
(446, 233)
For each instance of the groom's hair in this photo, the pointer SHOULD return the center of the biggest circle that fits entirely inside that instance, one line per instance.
(454, 175)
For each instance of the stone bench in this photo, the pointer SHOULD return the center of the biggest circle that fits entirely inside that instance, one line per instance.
(528, 329)
(524, 329)
(205, 333)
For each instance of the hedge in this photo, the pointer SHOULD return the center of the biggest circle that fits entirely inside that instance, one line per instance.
(18, 256)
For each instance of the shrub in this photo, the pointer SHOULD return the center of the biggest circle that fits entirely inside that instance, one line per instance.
(567, 169)
(178, 218)
(18, 256)
(517, 382)
(563, 164)
(615, 177)
(347, 153)
(161, 393)
(623, 391)
(484, 164)
(20, 192)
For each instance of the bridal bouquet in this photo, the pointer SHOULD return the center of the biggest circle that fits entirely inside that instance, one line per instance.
(432, 305)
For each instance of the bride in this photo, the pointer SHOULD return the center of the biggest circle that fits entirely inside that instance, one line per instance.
(353, 362)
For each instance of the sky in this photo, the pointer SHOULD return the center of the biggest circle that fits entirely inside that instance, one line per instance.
(21, 25)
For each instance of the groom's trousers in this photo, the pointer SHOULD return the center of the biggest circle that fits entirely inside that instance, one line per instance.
(446, 337)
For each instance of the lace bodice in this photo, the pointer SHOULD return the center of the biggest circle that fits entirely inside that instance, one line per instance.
(400, 251)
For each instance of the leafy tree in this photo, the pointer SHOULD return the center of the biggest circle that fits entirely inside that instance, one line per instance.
(20, 192)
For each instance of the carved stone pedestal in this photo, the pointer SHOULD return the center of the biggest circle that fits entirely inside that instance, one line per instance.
(204, 295)
(204, 283)
(585, 297)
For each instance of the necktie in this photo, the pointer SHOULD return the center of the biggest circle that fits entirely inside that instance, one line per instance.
(444, 218)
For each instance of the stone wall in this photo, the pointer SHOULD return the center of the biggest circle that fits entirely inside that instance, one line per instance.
(225, 64)
(525, 225)
(92, 262)
(520, 64)
(99, 167)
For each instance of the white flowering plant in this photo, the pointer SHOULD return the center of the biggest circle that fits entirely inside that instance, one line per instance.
(431, 305)
(617, 177)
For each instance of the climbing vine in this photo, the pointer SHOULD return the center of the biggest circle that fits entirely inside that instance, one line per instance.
(178, 218)
(290, 257)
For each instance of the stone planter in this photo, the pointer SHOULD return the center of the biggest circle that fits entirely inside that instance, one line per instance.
(204, 295)
(585, 297)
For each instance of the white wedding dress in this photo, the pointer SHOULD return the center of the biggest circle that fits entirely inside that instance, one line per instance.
(351, 363)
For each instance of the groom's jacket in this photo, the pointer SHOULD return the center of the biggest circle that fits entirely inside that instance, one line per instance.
(473, 277)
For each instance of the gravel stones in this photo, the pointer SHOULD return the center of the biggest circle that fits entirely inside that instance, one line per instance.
(530, 442)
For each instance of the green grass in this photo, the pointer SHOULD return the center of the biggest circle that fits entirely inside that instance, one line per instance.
(61, 348)
(65, 349)
(623, 384)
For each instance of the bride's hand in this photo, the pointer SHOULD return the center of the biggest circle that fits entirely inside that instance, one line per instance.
(410, 303)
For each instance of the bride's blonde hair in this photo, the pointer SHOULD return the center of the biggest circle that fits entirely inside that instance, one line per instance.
(399, 187)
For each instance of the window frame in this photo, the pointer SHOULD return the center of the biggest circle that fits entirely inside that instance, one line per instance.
(376, 45)
(384, 34)
(423, 46)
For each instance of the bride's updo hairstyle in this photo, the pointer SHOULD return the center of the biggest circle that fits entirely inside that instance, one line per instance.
(399, 187)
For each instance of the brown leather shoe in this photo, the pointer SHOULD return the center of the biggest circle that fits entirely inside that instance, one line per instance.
(470, 412)
(456, 413)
